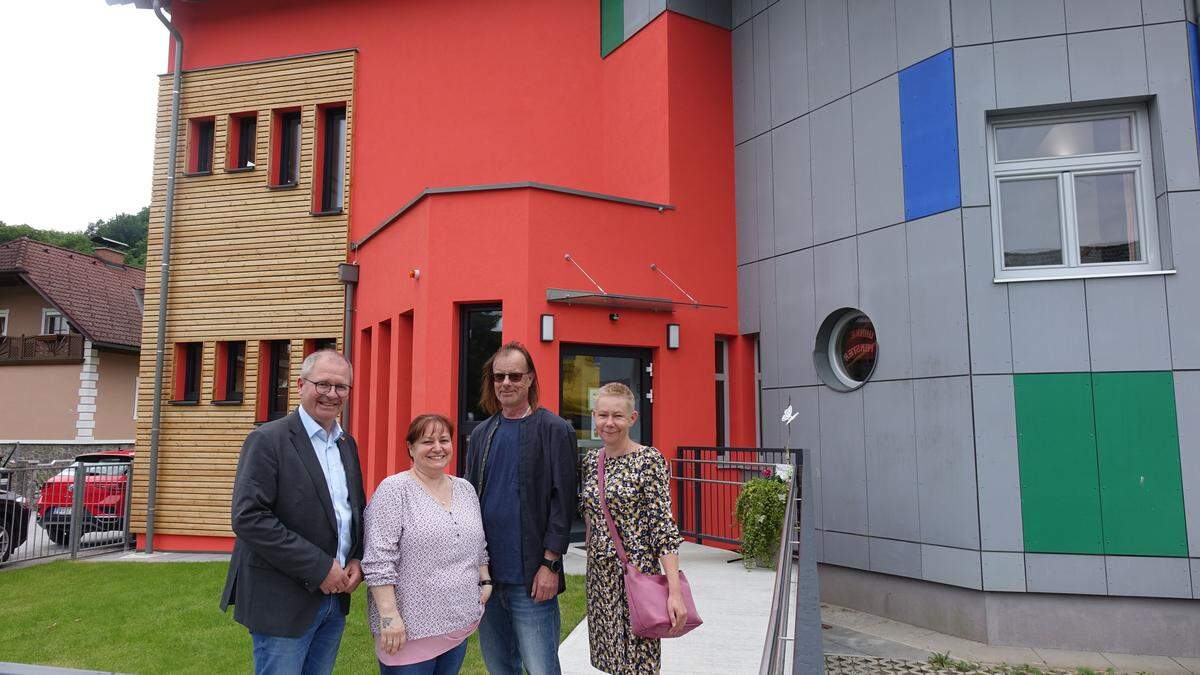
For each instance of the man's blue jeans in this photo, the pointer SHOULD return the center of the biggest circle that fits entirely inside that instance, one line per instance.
(313, 653)
(517, 632)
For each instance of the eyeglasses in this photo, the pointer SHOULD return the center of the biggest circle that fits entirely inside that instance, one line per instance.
(325, 387)
(512, 377)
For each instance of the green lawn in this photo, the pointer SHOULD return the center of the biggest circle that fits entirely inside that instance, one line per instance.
(161, 618)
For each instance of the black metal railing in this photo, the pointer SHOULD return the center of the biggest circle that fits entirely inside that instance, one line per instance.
(63, 509)
(35, 349)
(707, 483)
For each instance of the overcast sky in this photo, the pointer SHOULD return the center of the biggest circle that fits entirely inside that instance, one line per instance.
(78, 81)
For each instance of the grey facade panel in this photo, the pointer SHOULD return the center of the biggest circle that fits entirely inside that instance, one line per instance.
(987, 301)
(1054, 573)
(872, 41)
(1195, 563)
(828, 40)
(891, 460)
(946, 462)
(792, 193)
(1049, 327)
(832, 172)
(1172, 111)
(772, 434)
(697, 9)
(1166, 246)
(1100, 14)
(878, 166)
(843, 462)
(902, 558)
(796, 319)
(937, 296)
(789, 61)
(953, 566)
(1183, 288)
(805, 433)
(768, 324)
(1003, 571)
(1149, 577)
(922, 30)
(1107, 64)
(1016, 19)
(971, 21)
(883, 296)
(741, 11)
(1157, 11)
(637, 15)
(1127, 324)
(719, 13)
(999, 468)
(1031, 72)
(745, 186)
(1187, 402)
(742, 55)
(748, 304)
(762, 74)
(847, 550)
(764, 200)
(836, 276)
(974, 95)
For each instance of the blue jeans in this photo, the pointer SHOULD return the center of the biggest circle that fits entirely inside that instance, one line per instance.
(517, 632)
(313, 653)
(447, 663)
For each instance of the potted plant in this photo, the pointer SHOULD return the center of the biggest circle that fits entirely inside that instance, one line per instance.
(760, 510)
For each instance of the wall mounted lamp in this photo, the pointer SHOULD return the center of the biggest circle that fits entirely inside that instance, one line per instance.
(547, 328)
(672, 336)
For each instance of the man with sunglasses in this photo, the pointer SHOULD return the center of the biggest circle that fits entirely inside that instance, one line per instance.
(521, 461)
(297, 513)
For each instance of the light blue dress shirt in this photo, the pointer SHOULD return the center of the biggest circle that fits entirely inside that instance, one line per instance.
(330, 458)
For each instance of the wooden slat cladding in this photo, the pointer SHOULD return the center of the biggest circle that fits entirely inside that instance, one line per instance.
(248, 263)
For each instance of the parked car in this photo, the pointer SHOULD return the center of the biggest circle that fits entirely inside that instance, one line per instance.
(105, 489)
(14, 523)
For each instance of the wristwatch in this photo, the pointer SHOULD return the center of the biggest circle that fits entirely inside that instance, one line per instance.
(485, 582)
(554, 565)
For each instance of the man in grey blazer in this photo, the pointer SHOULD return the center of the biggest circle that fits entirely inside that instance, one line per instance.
(297, 513)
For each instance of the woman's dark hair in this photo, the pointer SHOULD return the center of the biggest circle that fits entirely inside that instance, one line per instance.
(423, 423)
(487, 393)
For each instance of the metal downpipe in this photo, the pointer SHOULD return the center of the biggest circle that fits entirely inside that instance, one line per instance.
(168, 212)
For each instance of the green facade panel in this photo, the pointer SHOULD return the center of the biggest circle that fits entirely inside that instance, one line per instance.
(1137, 442)
(612, 25)
(1056, 445)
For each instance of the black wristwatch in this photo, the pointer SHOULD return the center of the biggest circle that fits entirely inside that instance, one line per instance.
(554, 565)
(485, 582)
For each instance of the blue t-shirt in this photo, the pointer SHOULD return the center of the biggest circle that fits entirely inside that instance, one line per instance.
(501, 505)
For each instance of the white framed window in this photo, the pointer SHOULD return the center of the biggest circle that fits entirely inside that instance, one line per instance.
(54, 323)
(722, 392)
(1073, 194)
(3, 322)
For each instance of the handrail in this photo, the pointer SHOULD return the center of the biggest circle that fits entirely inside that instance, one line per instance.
(772, 657)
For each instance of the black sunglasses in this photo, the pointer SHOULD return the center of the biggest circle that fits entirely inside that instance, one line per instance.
(512, 377)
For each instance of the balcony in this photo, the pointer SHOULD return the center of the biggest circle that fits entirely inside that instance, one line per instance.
(41, 349)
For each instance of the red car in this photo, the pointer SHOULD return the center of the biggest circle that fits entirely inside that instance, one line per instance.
(106, 486)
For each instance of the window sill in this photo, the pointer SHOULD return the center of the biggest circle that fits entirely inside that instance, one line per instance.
(183, 402)
(1069, 277)
(283, 186)
(240, 169)
(228, 402)
(332, 212)
(194, 174)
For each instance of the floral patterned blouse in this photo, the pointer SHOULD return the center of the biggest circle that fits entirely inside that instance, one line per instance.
(638, 491)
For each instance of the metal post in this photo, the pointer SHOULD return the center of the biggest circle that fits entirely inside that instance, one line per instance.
(128, 534)
(77, 507)
(698, 506)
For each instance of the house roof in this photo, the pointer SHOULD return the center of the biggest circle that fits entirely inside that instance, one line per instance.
(102, 300)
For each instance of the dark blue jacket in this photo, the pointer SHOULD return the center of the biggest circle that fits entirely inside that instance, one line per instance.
(545, 479)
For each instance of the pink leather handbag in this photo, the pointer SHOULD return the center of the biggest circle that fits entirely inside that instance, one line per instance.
(646, 593)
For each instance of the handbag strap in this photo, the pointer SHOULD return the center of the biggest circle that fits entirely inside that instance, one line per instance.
(608, 519)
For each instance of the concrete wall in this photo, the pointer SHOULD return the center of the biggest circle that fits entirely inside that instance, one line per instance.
(917, 472)
(116, 387)
(24, 307)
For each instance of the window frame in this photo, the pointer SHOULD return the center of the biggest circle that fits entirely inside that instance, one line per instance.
(48, 313)
(188, 373)
(280, 148)
(202, 141)
(1138, 160)
(721, 347)
(275, 408)
(3, 323)
(230, 385)
(329, 159)
(241, 149)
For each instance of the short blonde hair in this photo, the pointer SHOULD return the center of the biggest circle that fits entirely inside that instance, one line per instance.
(616, 390)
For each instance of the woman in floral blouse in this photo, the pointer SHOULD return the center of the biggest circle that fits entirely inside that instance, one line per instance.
(425, 559)
(637, 489)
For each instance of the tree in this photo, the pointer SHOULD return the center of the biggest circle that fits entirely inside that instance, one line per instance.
(126, 228)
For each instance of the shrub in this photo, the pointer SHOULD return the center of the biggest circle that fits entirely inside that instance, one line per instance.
(760, 510)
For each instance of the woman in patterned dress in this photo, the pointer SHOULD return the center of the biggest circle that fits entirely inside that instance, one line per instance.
(638, 494)
(425, 559)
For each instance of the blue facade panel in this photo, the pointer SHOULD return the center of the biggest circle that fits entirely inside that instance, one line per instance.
(1194, 57)
(929, 137)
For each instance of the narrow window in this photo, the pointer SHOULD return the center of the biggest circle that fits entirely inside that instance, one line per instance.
(286, 148)
(243, 128)
(188, 360)
(200, 144)
(317, 344)
(277, 379)
(333, 160)
(230, 373)
(722, 393)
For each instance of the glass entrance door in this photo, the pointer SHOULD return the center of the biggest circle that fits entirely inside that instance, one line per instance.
(480, 328)
(583, 369)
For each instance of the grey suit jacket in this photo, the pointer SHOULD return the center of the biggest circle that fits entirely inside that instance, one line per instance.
(286, 529)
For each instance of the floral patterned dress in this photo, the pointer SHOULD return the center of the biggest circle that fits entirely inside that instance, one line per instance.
(637, 487)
